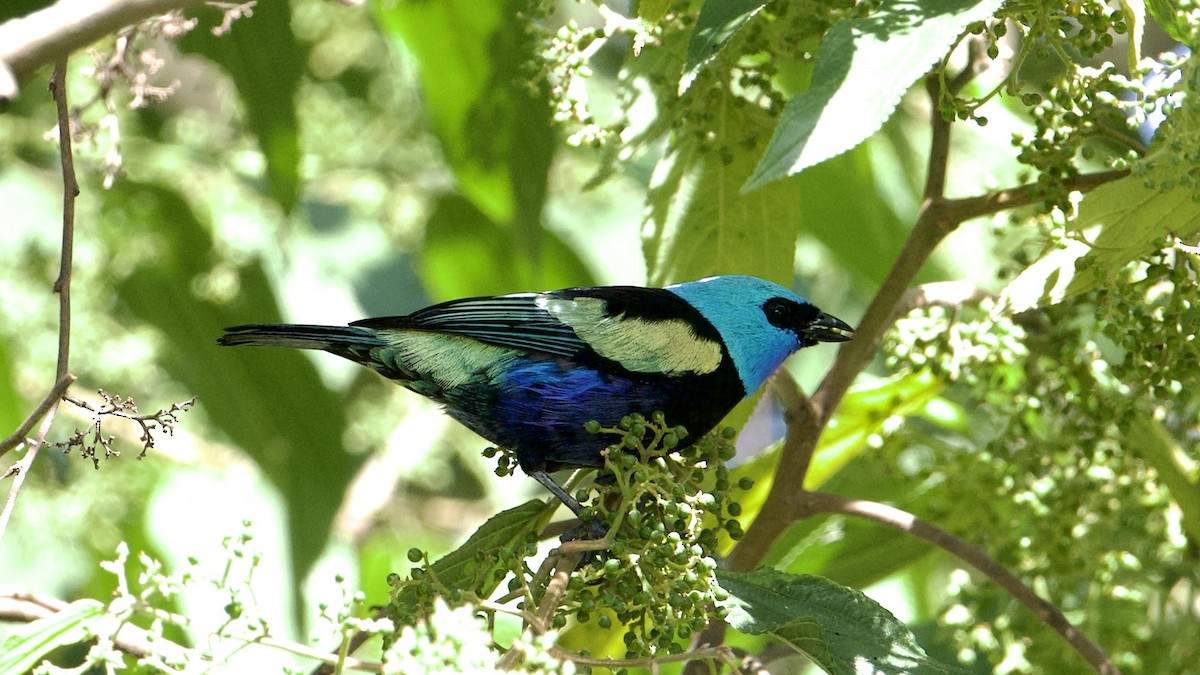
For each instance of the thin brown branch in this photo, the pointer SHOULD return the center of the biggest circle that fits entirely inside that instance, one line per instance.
(22, 432)
(713, 634)
(962, 210)
(939, 146)
(18, 471)
(53, 33)
(62, 286)
(566, 559)
(819, 502)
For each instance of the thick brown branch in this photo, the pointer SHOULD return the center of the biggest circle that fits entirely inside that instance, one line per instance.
(818, 502)
(778, 511)
(52, 33)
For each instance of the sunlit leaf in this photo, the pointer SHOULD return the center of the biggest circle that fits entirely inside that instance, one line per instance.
(25, 646)
(719, 20)
(1175, 469)
(863, 413)
(840, 629)
(1173, 18)
(699, 224)
(883, 54)
(266, 61)
(492, 121)
(506, 530)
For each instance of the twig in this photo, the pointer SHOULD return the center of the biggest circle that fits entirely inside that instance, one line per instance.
(19, 470)
(53, 33)
(787, 500)
(819, 502)
(962, 210)
(21, 434)
(357, 640)
(62, 286)
(566, 559)
(713, 634)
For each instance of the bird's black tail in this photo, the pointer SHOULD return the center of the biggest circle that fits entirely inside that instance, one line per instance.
(345, 341)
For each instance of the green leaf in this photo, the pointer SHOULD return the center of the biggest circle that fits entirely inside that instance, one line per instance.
(266, 62)
(864, 412)
(1125, 219)
(27, 645)
(699, 224)
(843, 193)
(466, 254)
(883, 54)
(1147, 437)
(840, 629)
(12, 9)
(652, 11)
(507, 529)
(1181, 24)
(494, 125)
(271, 402)
(1131, 214)
(462, 569)
(719, 20)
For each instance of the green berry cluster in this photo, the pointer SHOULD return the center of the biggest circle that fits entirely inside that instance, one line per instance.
(565, 69)
(973, 345)
(1072, 500)
(413, 599)
(666, 509)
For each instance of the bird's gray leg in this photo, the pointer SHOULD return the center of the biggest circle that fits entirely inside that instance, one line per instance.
(593, 529)
(557, 490)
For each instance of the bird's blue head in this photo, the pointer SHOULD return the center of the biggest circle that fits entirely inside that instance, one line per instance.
(761, 322)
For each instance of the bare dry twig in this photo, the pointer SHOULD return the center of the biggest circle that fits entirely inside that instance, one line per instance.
(115, 405)
(62, 286)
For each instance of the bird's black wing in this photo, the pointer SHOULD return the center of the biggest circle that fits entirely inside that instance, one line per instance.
(518, 321)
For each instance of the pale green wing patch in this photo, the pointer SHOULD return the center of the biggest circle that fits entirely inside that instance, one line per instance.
(449, 361)
(670, 347)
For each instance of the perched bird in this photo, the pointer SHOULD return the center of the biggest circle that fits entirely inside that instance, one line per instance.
(528, 371)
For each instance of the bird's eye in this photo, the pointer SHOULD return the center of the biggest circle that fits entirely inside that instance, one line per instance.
(777, 312)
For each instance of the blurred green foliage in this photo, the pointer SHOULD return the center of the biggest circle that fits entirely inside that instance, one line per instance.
(318, 159)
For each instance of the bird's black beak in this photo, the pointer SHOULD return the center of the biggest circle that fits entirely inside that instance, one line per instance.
(828, 328)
